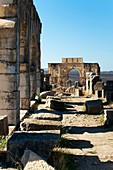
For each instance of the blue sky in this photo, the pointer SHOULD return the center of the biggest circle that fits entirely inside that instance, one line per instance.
(76, 28)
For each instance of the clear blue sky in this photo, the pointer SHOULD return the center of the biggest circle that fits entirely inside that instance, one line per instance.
(75, 28)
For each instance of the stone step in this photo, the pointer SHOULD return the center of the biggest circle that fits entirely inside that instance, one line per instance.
(35, 125)
(41, 142)
(47, 116)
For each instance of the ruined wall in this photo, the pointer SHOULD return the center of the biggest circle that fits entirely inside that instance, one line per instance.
(20, 30)
(59, 71)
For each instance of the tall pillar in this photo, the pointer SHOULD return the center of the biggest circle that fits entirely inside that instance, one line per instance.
(9, 62)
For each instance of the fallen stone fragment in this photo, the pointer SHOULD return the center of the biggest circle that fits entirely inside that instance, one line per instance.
(41, 143)
(32, 161)
(94, 106)
(47, 116)
(44, 94)
(4, 129)
(109, 117)
(35, 125)
(56, 104)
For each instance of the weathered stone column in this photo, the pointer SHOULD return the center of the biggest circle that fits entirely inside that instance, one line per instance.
(9, 65)
(25, 33)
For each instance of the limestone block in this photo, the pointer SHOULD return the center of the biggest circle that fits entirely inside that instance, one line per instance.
(23, 67)
(25, 103)
(4, 130)
(8, 55)
(47, 93)
(8, 68)
(9, 82)
(7, 23)
(35, 125)
(9, 95)
(24, 92)
(8, 11)
(10, 43)
(32, 161)
(6, 2)
(13, 115)
(47, 116)
(109, 117)
(94, 106)
(24, 79)
(9, 103)
(57, 105)
(41, 143)
(7, 33)
(33, 85)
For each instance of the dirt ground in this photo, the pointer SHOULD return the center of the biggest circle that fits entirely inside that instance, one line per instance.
(90, 143)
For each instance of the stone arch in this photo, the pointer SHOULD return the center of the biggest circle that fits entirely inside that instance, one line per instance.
(60, 70)
(71, 73)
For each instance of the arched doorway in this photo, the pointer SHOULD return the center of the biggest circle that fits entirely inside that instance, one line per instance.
(73, 77)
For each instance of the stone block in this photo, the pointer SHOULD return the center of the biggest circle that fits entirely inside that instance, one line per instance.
(6, 33)
(23, 67)
(48, 100)
(10, 82)
(46, 115)
(109, 117)
(24, 79)
(94, 106)
(9, 23)
(35, 125)
(57, 105)
(24, 103)
(13, 116)
(41, 143)
(8, 11)
(8, 68)
(4, 130)
(32, 161)
(9, 103)
(8, 55)
(10, 43)
(6, 2)
(44, 94)
(24, 92)
(9, 95)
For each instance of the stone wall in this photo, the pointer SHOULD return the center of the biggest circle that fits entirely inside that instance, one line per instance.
(59, 71)
(20, 30)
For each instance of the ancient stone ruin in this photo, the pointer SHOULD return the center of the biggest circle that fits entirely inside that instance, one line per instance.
(59, 71)
(20, 30)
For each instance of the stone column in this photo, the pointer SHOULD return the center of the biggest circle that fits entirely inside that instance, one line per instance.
(9, 62)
